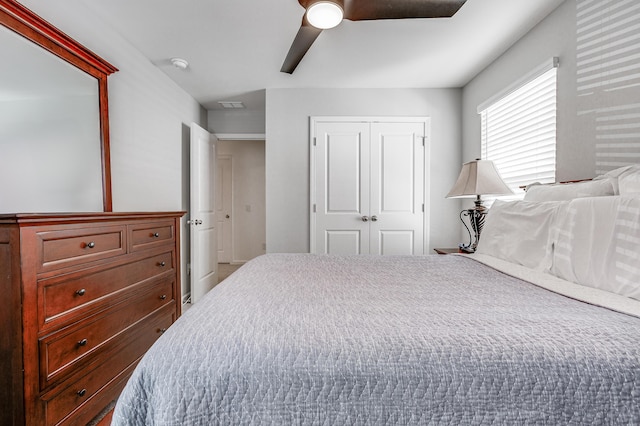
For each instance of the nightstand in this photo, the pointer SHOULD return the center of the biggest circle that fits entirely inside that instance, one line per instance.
(447, 250)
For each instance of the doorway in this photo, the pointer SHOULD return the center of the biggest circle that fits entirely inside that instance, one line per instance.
(242, 200)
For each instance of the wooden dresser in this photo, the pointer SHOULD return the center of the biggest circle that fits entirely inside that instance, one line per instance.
(83, 297)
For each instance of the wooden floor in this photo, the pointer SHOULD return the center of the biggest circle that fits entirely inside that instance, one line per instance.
(226, 269)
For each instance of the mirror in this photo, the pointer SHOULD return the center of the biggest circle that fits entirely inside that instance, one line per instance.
(54, 137)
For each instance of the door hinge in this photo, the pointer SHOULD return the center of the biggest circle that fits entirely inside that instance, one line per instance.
(314, 208)
(314, 141)
(423, 208)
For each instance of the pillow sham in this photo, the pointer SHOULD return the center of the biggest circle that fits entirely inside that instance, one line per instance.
(629, 183)
(519, 232)
(597, 244)
(569, 191)
(632, 171)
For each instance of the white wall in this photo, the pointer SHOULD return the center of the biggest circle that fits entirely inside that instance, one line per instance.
(148, 114)
(236, 121)
(248, 181)
(554, 36)
(287, 153)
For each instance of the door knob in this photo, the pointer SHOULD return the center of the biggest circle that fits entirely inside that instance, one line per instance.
(374, 218)
(227, 216)
(365, 218)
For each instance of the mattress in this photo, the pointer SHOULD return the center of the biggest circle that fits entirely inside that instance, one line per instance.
(334, 340)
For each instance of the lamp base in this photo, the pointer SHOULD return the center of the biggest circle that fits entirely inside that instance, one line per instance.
(466, 248)
(476, 219)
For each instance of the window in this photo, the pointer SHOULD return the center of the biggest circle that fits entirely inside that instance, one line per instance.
(519, 129)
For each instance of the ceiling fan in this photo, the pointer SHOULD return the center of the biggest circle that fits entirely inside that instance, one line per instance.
(325, 14)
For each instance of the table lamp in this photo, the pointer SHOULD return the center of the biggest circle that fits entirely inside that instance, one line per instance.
(478, 177)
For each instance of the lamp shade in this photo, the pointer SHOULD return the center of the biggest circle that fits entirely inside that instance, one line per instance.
(479, 177)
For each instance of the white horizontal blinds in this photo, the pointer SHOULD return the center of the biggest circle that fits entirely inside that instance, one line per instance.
(519, 132)
(608, 78)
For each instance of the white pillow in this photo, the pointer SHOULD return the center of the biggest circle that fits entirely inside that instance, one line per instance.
(519, 232)
(615, 175)
(597, 244)
(569, 191)
(629, 183)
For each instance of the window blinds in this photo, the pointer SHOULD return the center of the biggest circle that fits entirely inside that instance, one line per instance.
(519, 131)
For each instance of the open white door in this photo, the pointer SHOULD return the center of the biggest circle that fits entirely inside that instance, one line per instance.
(204, 250)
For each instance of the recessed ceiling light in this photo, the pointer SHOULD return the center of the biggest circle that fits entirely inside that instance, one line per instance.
(180, 63)
(231, 104)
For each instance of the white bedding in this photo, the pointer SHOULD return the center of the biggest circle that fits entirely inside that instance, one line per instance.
(590, 241)
(579, 292)
(597, 244)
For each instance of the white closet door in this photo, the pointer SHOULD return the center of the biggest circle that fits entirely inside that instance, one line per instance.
(341, 188)
(397, 188)
(367, 186)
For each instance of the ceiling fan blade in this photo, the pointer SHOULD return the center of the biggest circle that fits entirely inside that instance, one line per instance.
(307, 34)
(363, 10)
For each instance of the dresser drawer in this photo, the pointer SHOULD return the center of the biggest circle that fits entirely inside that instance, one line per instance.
(61, 248)
(144, 236)
(63, 296)
(70, 348)
(79, 400)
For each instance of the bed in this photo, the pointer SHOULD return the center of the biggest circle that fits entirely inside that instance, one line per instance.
(542, 330)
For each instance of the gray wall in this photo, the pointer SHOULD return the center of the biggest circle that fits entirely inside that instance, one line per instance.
(554, 36)
(236, 121)
(287, 153)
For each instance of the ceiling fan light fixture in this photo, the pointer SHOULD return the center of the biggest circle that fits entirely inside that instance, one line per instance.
(325, 14)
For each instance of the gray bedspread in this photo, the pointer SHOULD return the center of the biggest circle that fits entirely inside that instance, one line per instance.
(327, 340)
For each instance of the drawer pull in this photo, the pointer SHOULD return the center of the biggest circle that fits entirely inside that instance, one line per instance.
(90, 244)
(162, 264)
(164, 296)
(155, 235)
(83, 342)
(82, 392)
(162, 330)
(81, 292)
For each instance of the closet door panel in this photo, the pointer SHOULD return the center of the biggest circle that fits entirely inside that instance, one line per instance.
(397, 188)
(342, 188)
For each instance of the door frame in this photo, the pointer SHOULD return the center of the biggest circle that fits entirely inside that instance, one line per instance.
(313, 120)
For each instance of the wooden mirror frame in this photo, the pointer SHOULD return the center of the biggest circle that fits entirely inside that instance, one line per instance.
(24, 22)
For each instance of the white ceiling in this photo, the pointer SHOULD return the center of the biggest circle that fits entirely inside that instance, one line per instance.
(235, 48)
